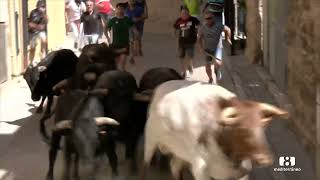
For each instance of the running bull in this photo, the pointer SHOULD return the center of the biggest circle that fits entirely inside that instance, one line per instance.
(208, 129)
(79, 116)
(57, 65)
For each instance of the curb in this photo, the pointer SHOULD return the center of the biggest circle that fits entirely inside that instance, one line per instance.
(280, 97)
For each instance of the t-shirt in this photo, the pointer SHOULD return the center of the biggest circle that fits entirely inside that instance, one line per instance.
(120, 30)
(91, 23)
(187, 30)
(211, 36)
(193, 6)
(75, 10)
(38, 17)
(135, 13)
(106, 9)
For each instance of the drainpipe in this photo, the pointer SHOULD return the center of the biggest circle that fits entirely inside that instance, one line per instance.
(318, 132)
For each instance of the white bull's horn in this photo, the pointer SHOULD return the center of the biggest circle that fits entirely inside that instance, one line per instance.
(142, 97)
(106, 121)
(65, 124)
(42, 68)
(99, 91)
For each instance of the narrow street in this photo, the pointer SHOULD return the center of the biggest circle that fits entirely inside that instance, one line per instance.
(23, 155)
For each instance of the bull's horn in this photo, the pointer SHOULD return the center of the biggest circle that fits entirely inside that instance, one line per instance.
(65, 124)
(99, 91)
(60, 86)
(271, 110)
(106, 121)
(142, 97)
(90, 76)
(229, 116)
(148, 91)
(42, 68)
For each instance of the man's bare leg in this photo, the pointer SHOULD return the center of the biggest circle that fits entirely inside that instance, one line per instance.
(121, 62)
(44, 48)
(184, 67)
(32, 52)
(209, 73)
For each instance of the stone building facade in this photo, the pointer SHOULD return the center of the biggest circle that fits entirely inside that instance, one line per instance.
(304, 67)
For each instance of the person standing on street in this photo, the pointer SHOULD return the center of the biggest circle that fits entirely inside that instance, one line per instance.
(37, 22)
(208, 39)
(136, 13)
(186, 27)
(91, 22)
(74, 9)
(119, 27)
(105, 10)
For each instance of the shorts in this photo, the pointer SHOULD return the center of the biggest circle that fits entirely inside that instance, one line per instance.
(127, 52)
(217, 54)
(186, 50)
(136, 34)
(91, 39)
(34, 37)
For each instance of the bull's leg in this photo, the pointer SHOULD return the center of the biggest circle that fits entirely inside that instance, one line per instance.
(112, 156)
(149, 149)
(40, 107)
(176, 166)
(54, 146)
(76, 168)
(67, 160)
(198, 169)
(49, 104)
(131, 146)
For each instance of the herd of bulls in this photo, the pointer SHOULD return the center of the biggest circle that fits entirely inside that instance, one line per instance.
(202, 127)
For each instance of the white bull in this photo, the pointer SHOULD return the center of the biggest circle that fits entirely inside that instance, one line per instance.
(206, 128)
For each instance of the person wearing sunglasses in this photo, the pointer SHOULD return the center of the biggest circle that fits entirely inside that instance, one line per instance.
(208, 40)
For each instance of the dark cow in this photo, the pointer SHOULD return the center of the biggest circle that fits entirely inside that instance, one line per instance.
(93, 54)
(79, 117)
(58, 65)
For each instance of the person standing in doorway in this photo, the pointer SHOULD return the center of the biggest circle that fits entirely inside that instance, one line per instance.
(186, 27)
(37, 22)
(91, 22)
(119, 27)
(74, 9)
(208, 39)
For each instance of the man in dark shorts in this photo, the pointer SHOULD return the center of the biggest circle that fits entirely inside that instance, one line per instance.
(37, 29)
(136, 13)
(209, 36)
(186, 26)
(91, 22)
(120, 26)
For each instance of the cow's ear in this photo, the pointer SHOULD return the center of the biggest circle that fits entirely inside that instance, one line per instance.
(268, 111)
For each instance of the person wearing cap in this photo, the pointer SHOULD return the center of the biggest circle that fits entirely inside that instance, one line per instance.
(208, 40)
(37, 22)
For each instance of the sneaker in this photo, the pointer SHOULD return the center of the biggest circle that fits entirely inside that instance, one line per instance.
(218, 75)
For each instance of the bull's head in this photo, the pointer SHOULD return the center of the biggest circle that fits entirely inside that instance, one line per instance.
(242, 136)
(34, 77)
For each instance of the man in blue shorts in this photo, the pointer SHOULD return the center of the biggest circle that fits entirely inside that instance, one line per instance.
(209, 41)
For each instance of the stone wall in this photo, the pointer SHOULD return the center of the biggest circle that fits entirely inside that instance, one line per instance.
(304, 66)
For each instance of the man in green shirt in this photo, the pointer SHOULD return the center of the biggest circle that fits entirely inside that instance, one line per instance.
(120, 26)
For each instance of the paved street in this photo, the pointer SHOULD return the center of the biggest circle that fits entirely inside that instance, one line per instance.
(23, 156)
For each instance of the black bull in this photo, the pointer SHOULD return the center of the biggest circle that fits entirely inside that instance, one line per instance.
(120, 104)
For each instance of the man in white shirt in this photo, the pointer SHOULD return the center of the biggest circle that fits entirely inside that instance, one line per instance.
(74, 9)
